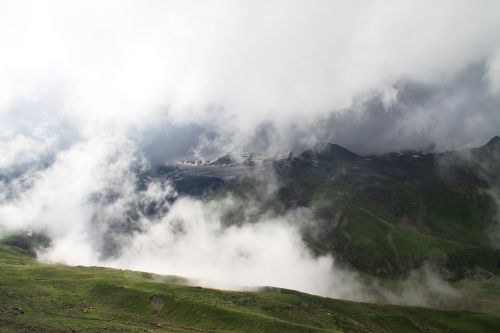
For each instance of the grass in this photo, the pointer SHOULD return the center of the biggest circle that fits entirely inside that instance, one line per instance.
(390, 215)
(36, 297)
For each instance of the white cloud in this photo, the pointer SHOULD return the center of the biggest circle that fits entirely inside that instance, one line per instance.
(494, 73)
(272, 60)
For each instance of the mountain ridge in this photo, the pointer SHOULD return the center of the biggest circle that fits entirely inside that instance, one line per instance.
(434, 213)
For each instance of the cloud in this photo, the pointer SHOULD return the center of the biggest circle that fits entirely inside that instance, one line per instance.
(232, 66)
(92, 206)
(58, 199)
(192, 241)
(455, 113)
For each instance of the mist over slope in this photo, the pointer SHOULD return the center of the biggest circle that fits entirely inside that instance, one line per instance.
(317, 222)
(90, 299)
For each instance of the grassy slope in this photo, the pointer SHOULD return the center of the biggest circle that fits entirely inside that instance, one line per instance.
(37, 297)
(387, 215)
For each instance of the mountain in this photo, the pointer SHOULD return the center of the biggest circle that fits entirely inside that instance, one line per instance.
(387, 215)
(383, 215)
(494, 143)
(330, 152)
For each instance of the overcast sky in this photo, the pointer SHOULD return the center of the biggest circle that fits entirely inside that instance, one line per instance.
(178, 77)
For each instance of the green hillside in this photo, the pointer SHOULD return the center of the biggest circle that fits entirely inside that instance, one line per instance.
(37, 297)
(387, 215)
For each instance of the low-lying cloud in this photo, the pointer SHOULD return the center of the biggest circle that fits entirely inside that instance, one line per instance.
(97, 212)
